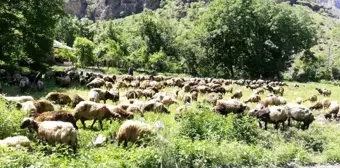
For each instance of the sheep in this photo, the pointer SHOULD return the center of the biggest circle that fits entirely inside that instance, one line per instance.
(229, 89)
(76, 99)
(121, 84)
(24, 84)
(237, 95)
(299, 113)
(180, 110)
(324, 92)
(317, 106)
(96, 83)
(87, 110)
(19, 99)
(225, 107)
(16, 141)
(61, 115)
(53, 131)
(274, 115)
(334, 109)
(63, 81)
(134, 109)
(149, 92)
(40, 85)
(41, 106)
(253, 86)
(108, 85)
(154, 106)
(276, 90)
(131, 94)
(97, 95)
(186, 98)
(259, 91)
(298, 100)
(194, 96)
(254, 98)
(273, 100)
(58, 98)
(212, 98)
(49, 74)
(312, 98)
(132, 131)
(119, 112)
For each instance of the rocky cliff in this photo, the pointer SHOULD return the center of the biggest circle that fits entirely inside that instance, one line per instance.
(108, 9)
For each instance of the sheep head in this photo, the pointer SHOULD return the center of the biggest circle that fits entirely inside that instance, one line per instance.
(27, 122)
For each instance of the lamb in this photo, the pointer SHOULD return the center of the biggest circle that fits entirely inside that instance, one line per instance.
(132, 131)
(334, 109)
(324, 92)
(76, 99)
(96, 83)
(254, 98)
(299, 113)
(53, 131)
(237, 95)
(61, 115)
(225, 107)
(40, 85)
(16, 141)
(87, 110)
(58, 98)
(274, 115)
(298, 100)
(96, 95)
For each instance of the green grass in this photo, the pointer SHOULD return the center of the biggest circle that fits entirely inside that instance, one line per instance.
(200, 139)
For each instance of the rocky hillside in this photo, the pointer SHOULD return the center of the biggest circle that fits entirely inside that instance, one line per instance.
(108, 9)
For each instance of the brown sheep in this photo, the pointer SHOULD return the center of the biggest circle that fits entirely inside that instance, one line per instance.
(326, 103)
(212, 98)
(225, 107)
(154, 107)
(76, 99)
(122, 114)
(324, 92)
(312, 98)
(42, 106)
(108, 85)
(274, 114)
(58, 98)
(254, 98)
(132, 131)
(96, 83)
(273, 100)
(317, 106)
(57, 116)
(237, 95)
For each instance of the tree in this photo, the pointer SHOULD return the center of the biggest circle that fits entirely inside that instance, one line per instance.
(254, 37)
(27, 30)
(84, 51)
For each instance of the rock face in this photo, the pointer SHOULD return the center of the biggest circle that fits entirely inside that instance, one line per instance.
(76, 7)
(108, 9)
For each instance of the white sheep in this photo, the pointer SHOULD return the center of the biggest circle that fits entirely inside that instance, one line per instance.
(299, 113)
(53, 131)
(16, 141)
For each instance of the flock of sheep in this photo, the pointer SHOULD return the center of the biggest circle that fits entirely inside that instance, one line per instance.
(146, 94)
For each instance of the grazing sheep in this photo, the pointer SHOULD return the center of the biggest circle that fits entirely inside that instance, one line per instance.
(298, 100)
(212, 98)
(87, 110)
(149, 92)
(259, 91)
(19, 99)
(334, 109)
(317, 106)
(58, 98)
(76, 99)
(254, 98)
(108, 85)
(53, 131)
(273, 100)
(229, 89)
(276, 90)
(96, 83)
(16, 141)
(253, 86)
(274, 115)
(194, 96)
(121, 84)
(40, 85)
(131, 94)
(41, 106)
(61, 115)
(225, 107)
(312, 98)
(119, 112)
(299, 113)
(134, 109)
(326, 103)
(324, 92)
(237, 95)
(132, 131)
(154, 106)
(96, 95)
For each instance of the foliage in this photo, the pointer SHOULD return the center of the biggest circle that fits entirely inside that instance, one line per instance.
(84, 51)
(64, 54)
(27, 30)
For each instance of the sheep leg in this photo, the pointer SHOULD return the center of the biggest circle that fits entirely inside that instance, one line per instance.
(276, 125)
(94, 121)
(265, 125)
(101, 124)
(289, 122)
(260, 125)
(283, 125)
(83, 122)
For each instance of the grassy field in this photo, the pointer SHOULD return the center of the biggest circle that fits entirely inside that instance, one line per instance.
(200, 139)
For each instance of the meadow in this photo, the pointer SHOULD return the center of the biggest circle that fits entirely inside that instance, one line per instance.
(201, 138)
